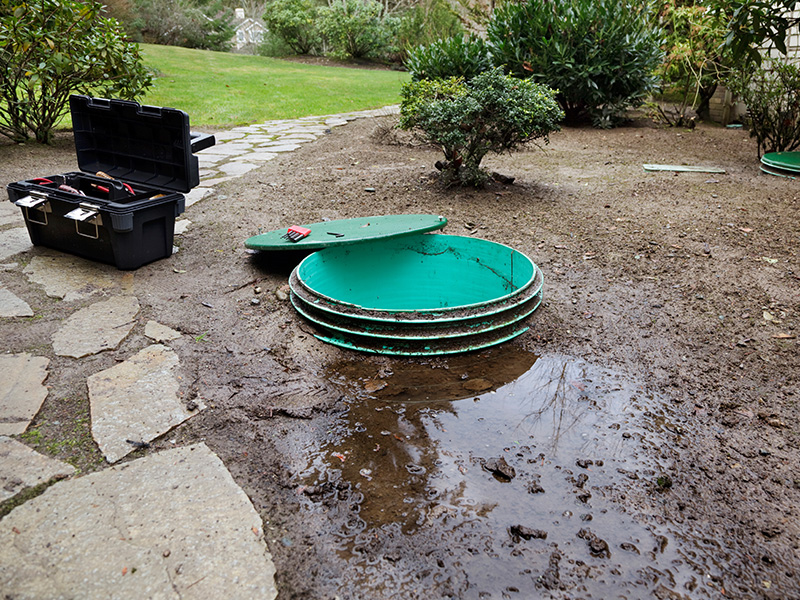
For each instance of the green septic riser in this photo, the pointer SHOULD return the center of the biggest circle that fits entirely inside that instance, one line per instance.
(417, 295)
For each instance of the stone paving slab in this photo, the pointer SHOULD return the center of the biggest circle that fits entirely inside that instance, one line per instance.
(160, 333)
(237, 168)
(217, 181)
(137, 401)
(172, 525)
(205, 160)
(223, 136)
(71, 278)
(22, 468)
(101, 326)
(261, 156)
(279, 147)
(181, 226)
(13, 241)
(196, 195)
(13, 306)
(21, 390)
(10, 214)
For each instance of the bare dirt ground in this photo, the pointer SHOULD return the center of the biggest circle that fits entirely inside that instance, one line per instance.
(688, 284)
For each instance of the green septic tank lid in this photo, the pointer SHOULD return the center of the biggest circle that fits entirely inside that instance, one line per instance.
(790, 161)
(780, 172)
(348, 231)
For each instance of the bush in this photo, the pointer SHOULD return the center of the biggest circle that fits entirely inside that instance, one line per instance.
(50, 49)
(773, 105)
(205, 25)
(428, 21)
(294, 22)
(491, 113)
(695, 59)
(600, 54)
(356, 29)
(458, 56)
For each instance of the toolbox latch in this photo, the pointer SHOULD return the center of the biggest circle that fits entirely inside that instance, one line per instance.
(39, 203)
(86, 213)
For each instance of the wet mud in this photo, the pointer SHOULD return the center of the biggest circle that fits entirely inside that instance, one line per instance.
(639, 441)
(501, 470)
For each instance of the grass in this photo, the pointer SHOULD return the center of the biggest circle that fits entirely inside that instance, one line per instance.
(220, 89)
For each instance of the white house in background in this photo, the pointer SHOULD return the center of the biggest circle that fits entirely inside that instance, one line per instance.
(249, 33)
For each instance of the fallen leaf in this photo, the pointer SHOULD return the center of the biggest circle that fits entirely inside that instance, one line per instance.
(477, 385)
(676, 246)
(124, 570)
(784, 336)
(578, 385)
(768, 316)
(771, 261)
(174, 270)
(560, 247)
(340, 456)
(374, 386)
(745, 229)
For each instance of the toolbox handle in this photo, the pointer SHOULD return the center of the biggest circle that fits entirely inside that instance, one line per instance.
(86, 213)
(201, 141)
(36, 200)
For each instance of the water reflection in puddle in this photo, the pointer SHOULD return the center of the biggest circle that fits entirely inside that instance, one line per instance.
(501, 467)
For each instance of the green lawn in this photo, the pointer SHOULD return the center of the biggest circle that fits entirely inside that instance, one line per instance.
(220, 89)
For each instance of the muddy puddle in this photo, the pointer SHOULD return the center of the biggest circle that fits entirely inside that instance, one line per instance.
(493, 475)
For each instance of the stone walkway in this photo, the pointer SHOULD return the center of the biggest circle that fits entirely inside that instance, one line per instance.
(173, 524)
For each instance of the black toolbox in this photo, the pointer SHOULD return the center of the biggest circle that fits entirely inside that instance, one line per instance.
(125, 215)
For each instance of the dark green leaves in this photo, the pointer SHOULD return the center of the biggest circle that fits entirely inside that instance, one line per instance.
(490, 113)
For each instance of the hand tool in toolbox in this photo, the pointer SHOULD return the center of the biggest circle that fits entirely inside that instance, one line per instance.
(135, 162)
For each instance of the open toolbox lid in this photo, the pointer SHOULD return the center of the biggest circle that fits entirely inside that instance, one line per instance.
(136, 143)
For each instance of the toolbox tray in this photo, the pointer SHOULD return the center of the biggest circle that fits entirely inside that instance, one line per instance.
(126, 215)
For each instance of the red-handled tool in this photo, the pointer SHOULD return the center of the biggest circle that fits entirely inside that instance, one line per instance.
(296, 233)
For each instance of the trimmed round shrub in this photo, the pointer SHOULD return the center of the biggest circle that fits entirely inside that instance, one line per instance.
(492, 112)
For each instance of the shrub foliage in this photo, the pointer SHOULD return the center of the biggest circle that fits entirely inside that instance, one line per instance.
(490, 113)
(202, 24)
(695, 59)
(50, 49)
(356, 28)
(600, 54)
(773, 105)
(457, 56)
(294, 22)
